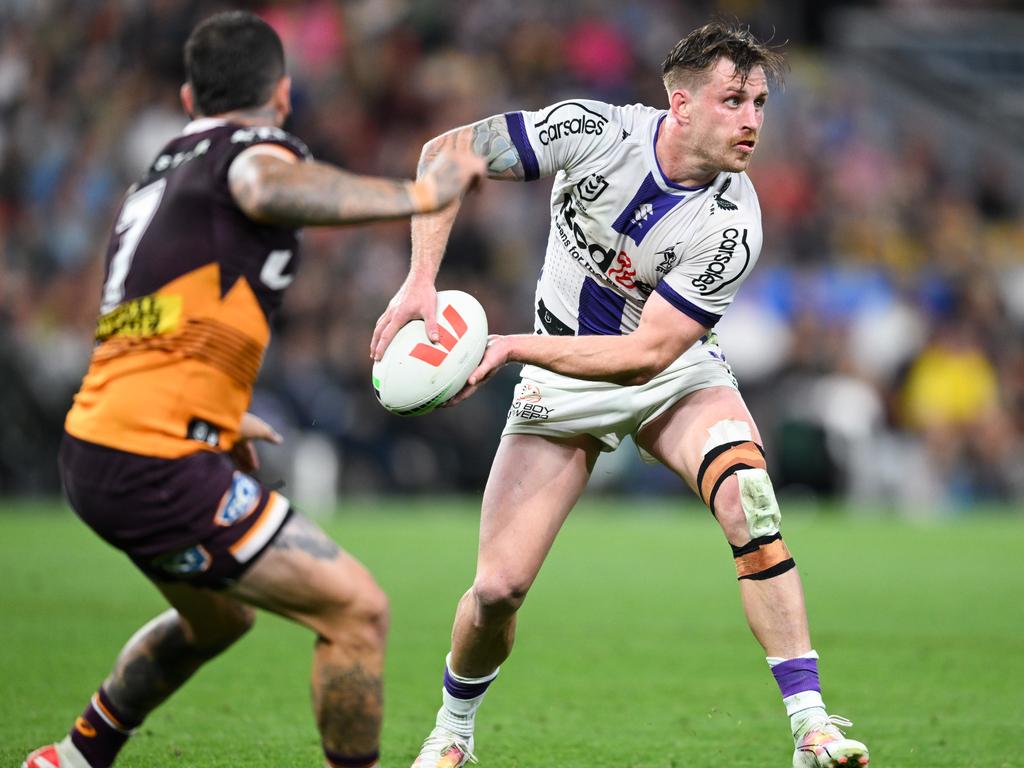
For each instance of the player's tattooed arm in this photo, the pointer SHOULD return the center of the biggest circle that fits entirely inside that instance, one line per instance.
(271, 188)
(491, 140)
(488, 138)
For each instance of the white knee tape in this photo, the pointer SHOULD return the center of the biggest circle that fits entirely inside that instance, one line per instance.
(757, 497)
(726, 431)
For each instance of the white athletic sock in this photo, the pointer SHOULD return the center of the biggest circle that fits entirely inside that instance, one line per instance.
(458, 714)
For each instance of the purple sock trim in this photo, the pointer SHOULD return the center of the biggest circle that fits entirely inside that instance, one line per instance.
(350, 761)
(98, 742)
(463, 690)
(796, 676)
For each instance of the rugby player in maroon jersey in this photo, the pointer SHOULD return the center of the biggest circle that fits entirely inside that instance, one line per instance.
(158, 441)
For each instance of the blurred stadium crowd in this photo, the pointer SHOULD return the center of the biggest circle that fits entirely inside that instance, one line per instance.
(880, 341)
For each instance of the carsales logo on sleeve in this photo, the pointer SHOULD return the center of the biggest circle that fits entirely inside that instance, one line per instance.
(569, 119)
(733, 246)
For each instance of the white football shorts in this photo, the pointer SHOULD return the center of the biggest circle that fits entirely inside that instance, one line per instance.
(553, 405)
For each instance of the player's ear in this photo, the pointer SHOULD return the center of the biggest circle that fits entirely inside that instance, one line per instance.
(282, 98)
(680, 102)
(188, 101)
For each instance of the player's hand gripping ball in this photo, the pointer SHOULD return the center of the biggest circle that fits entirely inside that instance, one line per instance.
(415, 376)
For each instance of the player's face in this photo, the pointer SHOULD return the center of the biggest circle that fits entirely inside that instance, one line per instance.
(727, 115)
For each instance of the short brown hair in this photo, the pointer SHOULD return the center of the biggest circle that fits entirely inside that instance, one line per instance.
(693, 57)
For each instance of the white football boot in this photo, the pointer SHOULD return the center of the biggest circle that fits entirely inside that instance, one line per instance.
(63, 754)
(823, 745)
(444, 749)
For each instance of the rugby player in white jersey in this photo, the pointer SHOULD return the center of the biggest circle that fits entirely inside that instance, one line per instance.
(654, 226)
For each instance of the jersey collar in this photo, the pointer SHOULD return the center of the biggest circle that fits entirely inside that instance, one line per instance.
(203, 124)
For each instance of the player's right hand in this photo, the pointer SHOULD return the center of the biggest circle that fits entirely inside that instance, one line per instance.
(415, 300)
(452, 172)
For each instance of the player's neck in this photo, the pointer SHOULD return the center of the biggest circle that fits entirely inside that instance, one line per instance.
(251, 117)
(679, 164)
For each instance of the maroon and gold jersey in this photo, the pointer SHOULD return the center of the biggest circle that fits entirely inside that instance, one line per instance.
(191, 284)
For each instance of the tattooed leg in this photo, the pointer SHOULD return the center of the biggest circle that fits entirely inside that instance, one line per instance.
(162, 655)
(305, 576)
(347, 698)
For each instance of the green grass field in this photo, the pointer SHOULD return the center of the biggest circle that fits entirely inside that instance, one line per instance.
(632, 648)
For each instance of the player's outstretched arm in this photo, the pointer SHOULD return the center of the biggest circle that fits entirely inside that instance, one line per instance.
(488, 139)
(274, 187)
(663, 335)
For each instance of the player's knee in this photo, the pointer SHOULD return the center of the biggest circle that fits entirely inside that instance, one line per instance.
(362, 618)
(373, 612)
(733, 481)
(749, 515)
(499, 594)
(730, 514)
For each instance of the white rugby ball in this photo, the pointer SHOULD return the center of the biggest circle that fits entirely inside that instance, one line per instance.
(414, 376)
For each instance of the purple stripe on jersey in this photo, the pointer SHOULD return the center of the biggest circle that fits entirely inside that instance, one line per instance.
(648, 206)
(517, 132)
(462, 690)
(688, 308)
(796, 676)
(600, 312)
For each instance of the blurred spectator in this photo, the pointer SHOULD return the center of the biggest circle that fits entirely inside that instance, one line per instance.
(880, 341)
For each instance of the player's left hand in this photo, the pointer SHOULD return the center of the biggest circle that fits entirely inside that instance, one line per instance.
(496, 354)
(243, 454)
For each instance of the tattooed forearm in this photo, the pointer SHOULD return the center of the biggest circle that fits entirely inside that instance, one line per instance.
(304, 535)
(297, 194)
(491, 140)
(348, 702)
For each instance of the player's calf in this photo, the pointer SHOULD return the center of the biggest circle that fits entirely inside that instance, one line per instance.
(347, 687)
(304, 575)
(153, 664)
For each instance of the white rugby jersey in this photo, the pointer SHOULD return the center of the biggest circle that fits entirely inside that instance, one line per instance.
(620, 229)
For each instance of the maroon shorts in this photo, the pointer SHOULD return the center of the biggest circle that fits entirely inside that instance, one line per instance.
(195, 519)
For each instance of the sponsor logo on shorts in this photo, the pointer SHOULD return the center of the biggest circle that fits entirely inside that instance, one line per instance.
(185, 562)
(560, 123)
(713, 279)
(528, 393)
(530, 411)
(239, 500)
